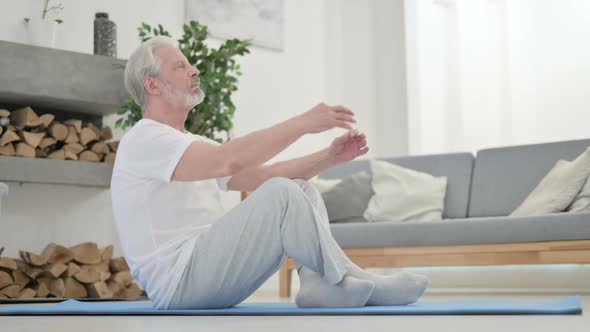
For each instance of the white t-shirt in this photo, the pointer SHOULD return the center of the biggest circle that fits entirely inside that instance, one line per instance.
(159, 220)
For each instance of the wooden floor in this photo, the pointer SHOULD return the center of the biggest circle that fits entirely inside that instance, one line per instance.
(314, 323)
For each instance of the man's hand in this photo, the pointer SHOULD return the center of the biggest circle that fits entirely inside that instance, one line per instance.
(344, 148)
(323, 117)
(347, 147)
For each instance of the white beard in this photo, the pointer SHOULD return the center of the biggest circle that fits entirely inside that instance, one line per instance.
(189, 100)
(194, 100)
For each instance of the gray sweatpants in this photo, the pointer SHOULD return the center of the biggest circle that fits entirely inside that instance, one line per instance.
(249, 244)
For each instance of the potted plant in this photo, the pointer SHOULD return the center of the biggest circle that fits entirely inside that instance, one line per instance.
(43, 25)
(218, 73)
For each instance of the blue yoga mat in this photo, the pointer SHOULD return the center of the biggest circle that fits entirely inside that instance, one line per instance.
(570, 305)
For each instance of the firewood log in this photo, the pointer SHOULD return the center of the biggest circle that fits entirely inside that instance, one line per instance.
(46, 120)
(119, 264)
(11, 291)
(40, 153)
(56, 287)
(69, 155)
(100, 148)
(58, 131)
(76, 124)
(114, 146)
(20, 278)
(24, 117)
(27, 293)
(57, 155)
(32, 139)
(7, 150)
(103, 266)
(72, 135)
(88, 155)
(87, 275)
(116, 288)
(107, 253)
(25, 150)
(106, 134)
(56, 253)
(73, 268)
(7, 263)
(5, 279)
(31, 271)
(123, 277)
(74, 147)
(110, 157)
(8, 137)
(104, 276)
(31, 258)
(132, 291)
(87, 135)
(74, 289)
(56, 269)
(86, 253)
(99, 289)
(46, 142)
(94, 129)
(41, 289)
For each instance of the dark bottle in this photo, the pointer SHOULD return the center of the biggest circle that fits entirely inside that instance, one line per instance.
(105, 35)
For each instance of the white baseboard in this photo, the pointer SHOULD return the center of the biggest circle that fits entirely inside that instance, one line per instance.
(527, 291)
(523, 279)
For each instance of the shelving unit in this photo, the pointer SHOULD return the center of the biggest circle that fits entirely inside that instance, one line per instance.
(36, 170)
(74, 83)
(52, 78)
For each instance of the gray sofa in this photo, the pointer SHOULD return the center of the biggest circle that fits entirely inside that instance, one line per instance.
(481, 192)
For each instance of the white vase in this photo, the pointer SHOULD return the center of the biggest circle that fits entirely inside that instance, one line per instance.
(42, 32)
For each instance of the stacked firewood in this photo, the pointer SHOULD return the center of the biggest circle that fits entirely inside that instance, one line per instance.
(81, 271)
(25, 134)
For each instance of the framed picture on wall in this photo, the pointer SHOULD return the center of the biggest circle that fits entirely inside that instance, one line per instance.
(258, 20)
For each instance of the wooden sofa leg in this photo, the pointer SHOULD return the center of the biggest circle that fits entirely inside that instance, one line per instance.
(285, 281)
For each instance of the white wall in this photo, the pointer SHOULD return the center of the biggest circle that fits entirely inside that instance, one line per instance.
(493, 73)
(341, 52)
(550, 71)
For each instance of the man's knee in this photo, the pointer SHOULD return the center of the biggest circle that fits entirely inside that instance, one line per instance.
(284, 187)
(301, 182)
(280, 185)
(282, 191)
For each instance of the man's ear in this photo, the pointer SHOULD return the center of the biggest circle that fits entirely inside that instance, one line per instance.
(151, 85)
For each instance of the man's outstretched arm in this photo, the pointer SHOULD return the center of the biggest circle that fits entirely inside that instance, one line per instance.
(343, 149)
(203, 160)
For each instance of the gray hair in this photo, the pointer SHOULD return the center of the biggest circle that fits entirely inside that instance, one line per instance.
(143, 62)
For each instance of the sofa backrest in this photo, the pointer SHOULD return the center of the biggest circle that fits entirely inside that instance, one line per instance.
(503, 177)
(457, 167)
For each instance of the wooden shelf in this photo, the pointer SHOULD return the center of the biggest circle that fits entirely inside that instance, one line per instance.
(69, 81)
(71, 172)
